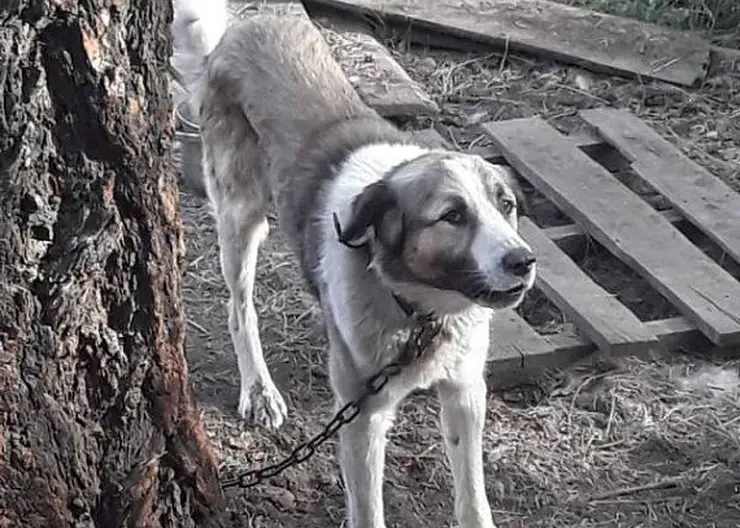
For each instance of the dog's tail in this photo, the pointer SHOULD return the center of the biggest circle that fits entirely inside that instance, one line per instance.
(197, 27)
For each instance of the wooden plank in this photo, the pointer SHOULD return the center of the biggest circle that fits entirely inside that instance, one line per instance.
(624, 224)
(565, 232)
(553, 31)
(513, 340)
(700, 196)
(590, 143)
(376, 76)
(677, 332)
(597, 313)
(568, 348)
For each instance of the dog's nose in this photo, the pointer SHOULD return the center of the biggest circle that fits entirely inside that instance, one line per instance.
(519, 261)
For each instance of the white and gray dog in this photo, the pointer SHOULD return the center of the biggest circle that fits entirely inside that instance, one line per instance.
(384, 229)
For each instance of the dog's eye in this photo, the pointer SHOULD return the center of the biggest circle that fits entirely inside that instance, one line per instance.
(507, 206)
(454, 217)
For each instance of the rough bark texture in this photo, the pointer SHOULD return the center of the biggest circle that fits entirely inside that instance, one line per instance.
(98, 424)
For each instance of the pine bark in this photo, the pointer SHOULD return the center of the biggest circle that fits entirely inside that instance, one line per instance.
(98, 423)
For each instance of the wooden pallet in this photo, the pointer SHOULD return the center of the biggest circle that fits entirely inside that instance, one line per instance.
(706, 295)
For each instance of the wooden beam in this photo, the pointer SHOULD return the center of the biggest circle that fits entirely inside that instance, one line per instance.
(566, 348)
(565, 232)
(711, 205)
(550, 31)
(513, 340)
(623, 223)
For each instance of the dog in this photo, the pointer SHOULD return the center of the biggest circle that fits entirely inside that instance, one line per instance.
(384, 230)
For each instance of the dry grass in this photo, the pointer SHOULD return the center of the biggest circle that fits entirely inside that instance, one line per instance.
(628, 443)
(651, 441)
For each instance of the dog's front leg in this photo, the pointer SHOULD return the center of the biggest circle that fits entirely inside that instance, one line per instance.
(362, 457)
(463, 414)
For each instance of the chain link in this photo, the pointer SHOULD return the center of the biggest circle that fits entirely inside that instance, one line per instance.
(421, 336)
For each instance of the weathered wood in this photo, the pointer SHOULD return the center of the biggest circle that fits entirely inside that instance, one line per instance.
(568, 348)
(553, 31)
(677, 332)
(597, 313)
(565, 232)
(701, 197)
(513, 340)
(624, 224)
(588, 142)
(98, 423)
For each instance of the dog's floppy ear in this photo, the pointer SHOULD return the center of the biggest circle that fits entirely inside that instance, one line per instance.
(367, 210)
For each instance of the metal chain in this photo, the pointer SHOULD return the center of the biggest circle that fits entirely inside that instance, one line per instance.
(421, 336)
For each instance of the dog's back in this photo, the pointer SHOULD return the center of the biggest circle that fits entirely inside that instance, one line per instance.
(279, 72)
(275, 105)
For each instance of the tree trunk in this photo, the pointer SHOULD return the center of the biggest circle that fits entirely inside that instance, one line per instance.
(98, 423)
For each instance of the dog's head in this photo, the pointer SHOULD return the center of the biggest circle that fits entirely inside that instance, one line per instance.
(443, 232)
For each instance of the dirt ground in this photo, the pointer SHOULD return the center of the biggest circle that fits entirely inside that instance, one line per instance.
(626, 443)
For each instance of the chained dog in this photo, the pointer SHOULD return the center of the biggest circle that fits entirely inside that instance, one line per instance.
(387, 232)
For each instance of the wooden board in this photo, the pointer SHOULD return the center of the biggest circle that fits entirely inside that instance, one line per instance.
(624, 224)
(513, 341)
(704, 199)
(569, 231)
(553, 31)
(376, 76)
(597, 313)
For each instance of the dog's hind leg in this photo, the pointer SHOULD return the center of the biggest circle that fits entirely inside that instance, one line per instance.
(241, 233)
(239, 193)
(462, 417)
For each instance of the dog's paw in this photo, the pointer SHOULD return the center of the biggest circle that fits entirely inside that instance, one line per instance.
(262, 404)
